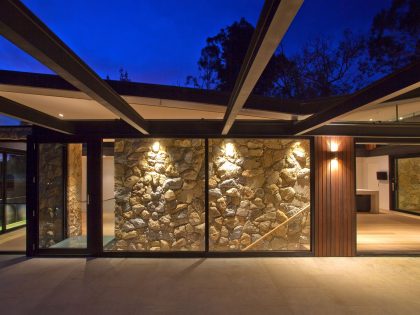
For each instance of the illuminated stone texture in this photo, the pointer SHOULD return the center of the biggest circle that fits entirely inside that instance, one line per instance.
(159, 195)
(74, 189)
(50, 195)
(255, 185)
(409, 184)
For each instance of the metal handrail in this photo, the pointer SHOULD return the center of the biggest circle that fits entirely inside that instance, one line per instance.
(273, 230)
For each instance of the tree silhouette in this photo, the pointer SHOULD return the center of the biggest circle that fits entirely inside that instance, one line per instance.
(394, 39)
(124, 75)
(324, 66)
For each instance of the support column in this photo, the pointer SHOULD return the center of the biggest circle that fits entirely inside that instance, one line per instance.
(335, 215)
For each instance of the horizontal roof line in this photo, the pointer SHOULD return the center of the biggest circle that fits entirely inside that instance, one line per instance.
(186, 94)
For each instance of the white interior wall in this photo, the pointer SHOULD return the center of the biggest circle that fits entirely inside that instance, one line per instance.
(366, 168)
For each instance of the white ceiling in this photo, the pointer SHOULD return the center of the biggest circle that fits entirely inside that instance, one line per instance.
(75, 105)
(384, 112)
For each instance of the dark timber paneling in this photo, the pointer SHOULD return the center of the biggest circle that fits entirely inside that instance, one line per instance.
(335, 217)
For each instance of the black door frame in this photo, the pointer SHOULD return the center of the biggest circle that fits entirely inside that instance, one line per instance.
(94, 213)
(393, 185)
(33, 203)
(4, 152)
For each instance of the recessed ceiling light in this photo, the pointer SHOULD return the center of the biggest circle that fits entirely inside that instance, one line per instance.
(60, 115)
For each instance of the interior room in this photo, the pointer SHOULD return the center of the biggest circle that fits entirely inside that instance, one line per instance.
(388, 197)
(12, 196)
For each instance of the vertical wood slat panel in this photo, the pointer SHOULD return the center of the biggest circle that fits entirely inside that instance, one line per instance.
(334, 198)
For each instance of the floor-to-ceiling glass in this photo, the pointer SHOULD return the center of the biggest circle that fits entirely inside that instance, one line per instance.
(12, 196)
(62, 195)
(407, 184)
(259, 195)
(153, 195)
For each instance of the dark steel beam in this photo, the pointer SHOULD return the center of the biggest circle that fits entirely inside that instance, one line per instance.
(22, 112)
(20, 26)
(398, 83)
(184, 128)
(275, 18)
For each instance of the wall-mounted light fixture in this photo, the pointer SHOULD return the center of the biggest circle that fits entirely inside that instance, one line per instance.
(156, 146)
(334, 154)
(229, 149)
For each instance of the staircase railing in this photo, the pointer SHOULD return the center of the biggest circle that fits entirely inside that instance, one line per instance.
(275, 229)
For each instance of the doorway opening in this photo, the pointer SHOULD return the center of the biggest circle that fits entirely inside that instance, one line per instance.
(388, 198)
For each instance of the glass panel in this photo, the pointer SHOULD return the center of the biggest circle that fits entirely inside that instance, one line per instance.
(158, 185)
(259, 194)
(1, 192)
(408, 184)
(62, 195)
(15, 178)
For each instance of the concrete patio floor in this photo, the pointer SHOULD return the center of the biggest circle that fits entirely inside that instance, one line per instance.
(363, 285)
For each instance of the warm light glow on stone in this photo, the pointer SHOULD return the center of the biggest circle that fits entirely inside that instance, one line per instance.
(229, 149)
(156, 147)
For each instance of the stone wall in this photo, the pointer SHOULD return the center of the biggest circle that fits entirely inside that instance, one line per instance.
(51, 199)
(15, 132)
(74, 189)
(159, 195)
(409, 184)
(254, 186)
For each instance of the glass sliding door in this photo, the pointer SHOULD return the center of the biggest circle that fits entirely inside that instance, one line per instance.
(153, 195)
(15, 189)
(12, 197)
(259, 195)
(62, 196)
(407, 184)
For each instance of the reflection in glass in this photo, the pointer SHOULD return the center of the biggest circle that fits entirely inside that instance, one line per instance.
(62, 195)
(13, 197)
(259, 195)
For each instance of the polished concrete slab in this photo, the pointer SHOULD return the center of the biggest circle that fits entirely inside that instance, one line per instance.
(388, 231)
(360, 285)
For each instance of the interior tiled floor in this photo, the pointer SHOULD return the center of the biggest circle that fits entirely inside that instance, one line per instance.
(388, 231)
(14, 240)
(362, 285)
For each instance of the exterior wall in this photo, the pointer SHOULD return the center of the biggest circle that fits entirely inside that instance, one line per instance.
(335, 214)
(74, 189)
(159, 194)
(14, 133)
(259, 194)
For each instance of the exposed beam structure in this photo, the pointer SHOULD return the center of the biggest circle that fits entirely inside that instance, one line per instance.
(276, 17)
(22, 112)
(20, 26)
(392, 86)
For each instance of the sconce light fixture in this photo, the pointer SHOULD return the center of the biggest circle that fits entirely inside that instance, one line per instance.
(334, 155)
(229, 149)
(156, 147)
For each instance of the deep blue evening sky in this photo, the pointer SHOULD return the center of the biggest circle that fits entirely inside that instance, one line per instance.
(160, 41)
